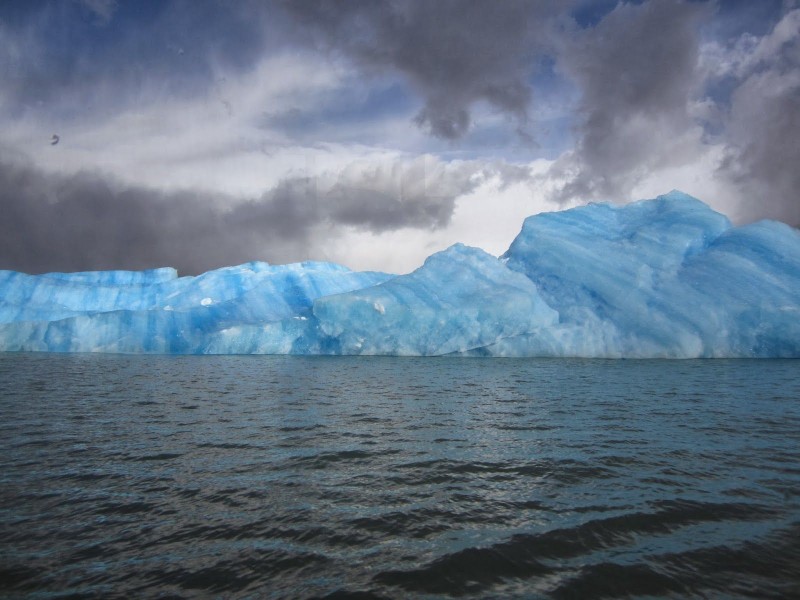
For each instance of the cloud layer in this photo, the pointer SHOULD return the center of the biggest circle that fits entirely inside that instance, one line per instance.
(88, 222)
(287, 131)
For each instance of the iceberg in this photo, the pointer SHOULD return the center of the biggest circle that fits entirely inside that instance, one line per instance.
(661, 278)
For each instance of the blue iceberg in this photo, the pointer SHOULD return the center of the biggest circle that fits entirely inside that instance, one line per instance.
(661, 278)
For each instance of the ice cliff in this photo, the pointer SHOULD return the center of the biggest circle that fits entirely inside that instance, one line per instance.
(667, 277)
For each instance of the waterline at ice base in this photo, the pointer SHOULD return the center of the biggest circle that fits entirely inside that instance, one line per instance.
(661, 278)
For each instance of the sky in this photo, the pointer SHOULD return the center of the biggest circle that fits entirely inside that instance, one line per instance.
(197, 134)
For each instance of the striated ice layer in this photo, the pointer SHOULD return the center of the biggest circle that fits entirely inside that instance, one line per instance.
(661, 278)
(461, 298)
(667, 277)
(162, 315)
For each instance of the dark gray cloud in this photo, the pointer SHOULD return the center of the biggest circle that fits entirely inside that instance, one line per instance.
(454, 52)
(762, 126)
(635, 70)
(89, 222)
(660, 89)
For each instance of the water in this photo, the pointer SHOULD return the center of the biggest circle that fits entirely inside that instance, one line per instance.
(301, 477)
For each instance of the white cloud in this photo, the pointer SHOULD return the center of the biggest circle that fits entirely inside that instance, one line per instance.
(214, 142)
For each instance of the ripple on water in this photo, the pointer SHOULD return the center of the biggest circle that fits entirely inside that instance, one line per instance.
(296, 477)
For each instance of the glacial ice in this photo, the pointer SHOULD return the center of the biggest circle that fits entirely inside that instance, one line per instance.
(667, 277)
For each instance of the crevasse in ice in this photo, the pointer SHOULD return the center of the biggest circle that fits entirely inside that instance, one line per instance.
(667, 277)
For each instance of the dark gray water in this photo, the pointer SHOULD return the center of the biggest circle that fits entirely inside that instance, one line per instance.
(290, 477)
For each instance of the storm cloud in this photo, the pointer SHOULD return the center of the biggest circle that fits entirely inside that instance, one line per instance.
(90, 222)
(658, 94)
(456, 53)
(636, 71)
(762, 124)
(196, 133)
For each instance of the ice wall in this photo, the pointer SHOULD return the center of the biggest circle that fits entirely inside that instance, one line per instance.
(667, 277)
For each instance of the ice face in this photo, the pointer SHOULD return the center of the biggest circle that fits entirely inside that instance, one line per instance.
(749, 283)
(158, 313)
(662, 278)
(460, 299)
(667, 277)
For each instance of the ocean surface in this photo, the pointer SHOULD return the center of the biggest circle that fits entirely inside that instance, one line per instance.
(354, 477)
